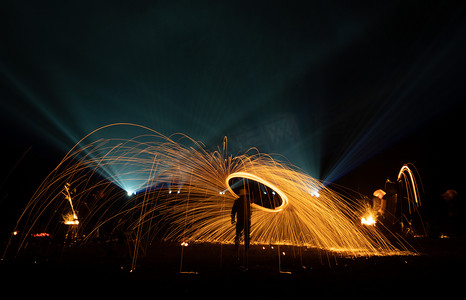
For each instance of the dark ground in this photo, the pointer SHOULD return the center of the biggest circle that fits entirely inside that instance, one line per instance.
(102, 269)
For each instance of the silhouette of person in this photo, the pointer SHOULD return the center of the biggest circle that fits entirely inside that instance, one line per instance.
(242, 210)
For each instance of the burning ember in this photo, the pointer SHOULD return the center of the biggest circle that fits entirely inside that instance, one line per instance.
(368, 220)
(70, 219)
(40, 235)
(369, 217)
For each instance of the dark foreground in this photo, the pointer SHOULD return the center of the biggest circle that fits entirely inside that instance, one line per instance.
(213, 271)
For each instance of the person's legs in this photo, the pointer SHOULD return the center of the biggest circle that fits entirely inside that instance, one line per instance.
(239, 230)
(247, 230)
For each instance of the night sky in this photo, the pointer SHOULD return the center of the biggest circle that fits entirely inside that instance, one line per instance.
(346, 91)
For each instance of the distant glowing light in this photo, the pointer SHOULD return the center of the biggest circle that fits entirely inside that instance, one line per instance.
(131, 193)
(379, 193)
(70, 219)
(72, 222)
(315, 194)
(40, 235)
(368, 220)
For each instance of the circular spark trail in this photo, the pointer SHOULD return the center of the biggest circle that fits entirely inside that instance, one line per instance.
(127, 184)
(264, 182)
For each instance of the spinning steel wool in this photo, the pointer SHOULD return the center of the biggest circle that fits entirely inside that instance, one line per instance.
(153, 185)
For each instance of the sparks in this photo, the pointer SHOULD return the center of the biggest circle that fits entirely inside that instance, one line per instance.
(197, 212)
(368, 220)
(70, 218)
(408, 177)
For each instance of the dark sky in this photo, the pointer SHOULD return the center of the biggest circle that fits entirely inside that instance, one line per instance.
(346, 91)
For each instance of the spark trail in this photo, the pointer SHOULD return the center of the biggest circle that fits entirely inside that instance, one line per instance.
(127, 182)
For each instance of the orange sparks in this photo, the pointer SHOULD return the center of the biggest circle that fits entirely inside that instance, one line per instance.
(150, 165)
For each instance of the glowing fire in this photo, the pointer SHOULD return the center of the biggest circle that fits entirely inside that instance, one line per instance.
(70, 219)
(368, 220)
(369, 216)
(40, 235)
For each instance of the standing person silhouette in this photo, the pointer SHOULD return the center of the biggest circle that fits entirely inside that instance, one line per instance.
(242, 210)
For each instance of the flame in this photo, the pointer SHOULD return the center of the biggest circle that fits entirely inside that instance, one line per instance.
(70, 219)
(369, 217)
(368, 220)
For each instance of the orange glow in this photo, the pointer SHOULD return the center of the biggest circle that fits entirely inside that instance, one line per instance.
(413, 192)
(71, 218)
(41, 234)
(264, 182)
(200, 210)
(368, 220)
(379, 193)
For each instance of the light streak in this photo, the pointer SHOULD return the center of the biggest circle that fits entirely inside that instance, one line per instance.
(408, 177)
(246, 175)
(410, 193)
(69, 218)
(199, 210)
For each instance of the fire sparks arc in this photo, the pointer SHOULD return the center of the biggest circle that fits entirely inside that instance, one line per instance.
(105, 167)
(246, 175)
